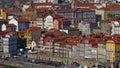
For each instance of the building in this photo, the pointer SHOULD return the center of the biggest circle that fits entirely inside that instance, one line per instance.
(71, 31)
(106, 30)
(32, 34)
(66, 13)
(61, 23)
(9, 41)
(86, 14)
(8, 27)
(109, 11)
(48, 22)
(84, 28)
(102, 52)
(23, 24)
(115, 28)
(13, 21)
(110, 50)
(2, 22)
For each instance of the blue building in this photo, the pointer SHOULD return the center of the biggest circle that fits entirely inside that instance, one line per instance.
(23, 24)
(9, 41)
(11, 27)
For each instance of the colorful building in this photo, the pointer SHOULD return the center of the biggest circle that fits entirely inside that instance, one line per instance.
(23, 24)
(61, 23)
(9, 41)
(32, 34)
(110, 50)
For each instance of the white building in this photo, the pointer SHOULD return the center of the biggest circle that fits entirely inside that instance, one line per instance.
(37, 23)
(84, 28)
(115, 28)
(48, 22)
(3, 27)
(14, 21)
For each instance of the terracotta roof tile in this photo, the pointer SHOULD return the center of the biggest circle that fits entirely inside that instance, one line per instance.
(32, 28)
(111, 7)
(12, 10)
(3, 33)
(44, 4)
(28, 15)
(64, 10)
(31, 9)
(60, 20)
(20, 20)
(10, 25)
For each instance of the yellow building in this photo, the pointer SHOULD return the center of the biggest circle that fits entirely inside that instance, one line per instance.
(3, 14)
(107, 13)
(28, 38)
(110, 49)
(100, 12)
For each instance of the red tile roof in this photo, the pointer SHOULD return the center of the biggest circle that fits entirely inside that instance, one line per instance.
(3, 33)
(111, 7)
(22, 20)
(62, 20)
(41, 9)
(32, 28)
(28, 15)
(85, 9)
(12, 10)
(72, 43)
(43, 4)
(64, 10)
(56, 32)
(31, 9)
(110, 20)
(10, 25)
(102, 42)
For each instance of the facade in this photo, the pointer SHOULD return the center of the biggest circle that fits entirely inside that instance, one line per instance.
(48, 22)
(115, 28)
(9, 41)
(86, 15)
(38, 22)
(117, 51)
(110, 50)
(97, 30)
(2, 22)
(94, 53)
(102, 52)
(106, 30)
(66, 13)
(32, 34)
(61, 23)
(23, 24)
(8, 27)
(82, 51)
(71, 31)
(109, 11)
(84, 28)
(13, 21)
